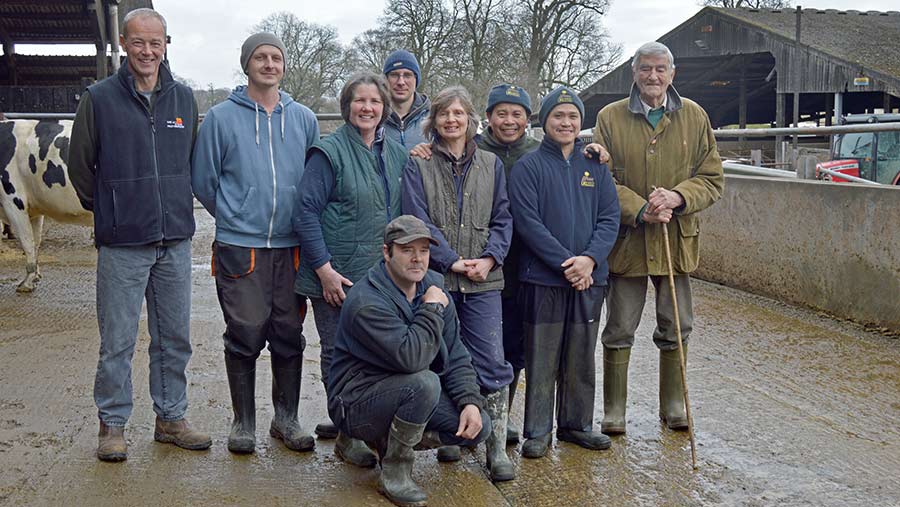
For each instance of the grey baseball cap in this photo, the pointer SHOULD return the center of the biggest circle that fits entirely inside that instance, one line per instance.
(406, 229)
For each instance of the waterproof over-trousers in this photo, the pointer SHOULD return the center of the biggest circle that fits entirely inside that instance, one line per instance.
(560, 339)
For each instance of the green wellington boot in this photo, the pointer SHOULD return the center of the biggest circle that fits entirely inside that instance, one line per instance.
(671, 390)
(615, 389)
(501, 468)
(397, 460)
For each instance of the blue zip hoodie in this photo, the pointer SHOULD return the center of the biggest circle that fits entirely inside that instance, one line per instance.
(562, 207)
(247, 165)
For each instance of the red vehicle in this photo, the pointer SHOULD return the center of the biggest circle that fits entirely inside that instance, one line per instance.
(873, 156)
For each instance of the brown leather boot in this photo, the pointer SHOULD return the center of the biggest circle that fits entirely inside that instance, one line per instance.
(181, 434)
(111, 445)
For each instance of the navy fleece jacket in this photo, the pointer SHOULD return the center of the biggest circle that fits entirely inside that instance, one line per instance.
(562, 208)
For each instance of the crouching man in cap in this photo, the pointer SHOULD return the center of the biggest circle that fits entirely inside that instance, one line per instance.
(400, 376)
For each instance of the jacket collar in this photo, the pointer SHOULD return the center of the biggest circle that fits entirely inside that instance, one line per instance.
(673, 100)
(492, 141)
(164, 81)
(553, 148)
(420, 105)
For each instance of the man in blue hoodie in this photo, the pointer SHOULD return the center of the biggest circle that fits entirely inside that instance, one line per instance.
(246, 168)
(409, 108)
(566, 213)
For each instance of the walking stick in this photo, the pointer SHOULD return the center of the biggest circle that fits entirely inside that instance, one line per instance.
(687, 403)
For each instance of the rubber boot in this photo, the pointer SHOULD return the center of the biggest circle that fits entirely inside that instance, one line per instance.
(286, 379)
(326, 430)
(242, 382)
(111, 444)
(615, 389)
(536, 447)
(671, 390)
(354, 451)
(448, 453)
(501, 468)
(397, 460)
(592, 440)
(512, 433)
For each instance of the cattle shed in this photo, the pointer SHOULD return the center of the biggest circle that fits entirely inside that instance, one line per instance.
(53, 84)
(745, 65)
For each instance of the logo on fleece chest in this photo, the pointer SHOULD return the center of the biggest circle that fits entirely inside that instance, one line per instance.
(587, 180)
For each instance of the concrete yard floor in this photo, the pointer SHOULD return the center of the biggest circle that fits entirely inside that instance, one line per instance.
(790, 408)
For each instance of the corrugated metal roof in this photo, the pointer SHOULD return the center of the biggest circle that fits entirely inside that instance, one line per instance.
(870, 39)
(55, 21)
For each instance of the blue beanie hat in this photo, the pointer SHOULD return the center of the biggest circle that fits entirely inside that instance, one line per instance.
(510, 94)
(559, 95)
(402, 59)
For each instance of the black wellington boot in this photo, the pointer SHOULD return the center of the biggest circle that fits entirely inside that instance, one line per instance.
(396, 465)
(242, 383)
(512, 433)
(671, 390)
(286, 375)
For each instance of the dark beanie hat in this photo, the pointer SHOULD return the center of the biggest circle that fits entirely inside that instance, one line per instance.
(256, 40)
(559, 95)
(510, 94)
(402, 59)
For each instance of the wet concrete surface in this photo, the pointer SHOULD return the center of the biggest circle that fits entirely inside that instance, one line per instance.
(790, 408)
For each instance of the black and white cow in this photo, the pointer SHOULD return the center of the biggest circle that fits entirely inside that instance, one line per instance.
(34, 183)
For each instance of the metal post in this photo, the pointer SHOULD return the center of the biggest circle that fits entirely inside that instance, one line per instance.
(797, 78)
(742, 101)
(838, 107)
(779, 123)
(114, 35)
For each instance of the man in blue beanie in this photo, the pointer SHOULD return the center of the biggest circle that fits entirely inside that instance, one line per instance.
(563, 273)
(409, 108)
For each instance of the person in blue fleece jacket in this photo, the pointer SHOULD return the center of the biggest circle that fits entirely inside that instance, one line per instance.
(246, 168)
(566, 212)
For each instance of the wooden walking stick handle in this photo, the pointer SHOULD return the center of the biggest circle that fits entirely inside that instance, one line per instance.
(687, 403)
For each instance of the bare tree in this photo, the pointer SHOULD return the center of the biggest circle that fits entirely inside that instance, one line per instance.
(488, 44)
(428, 29)
(316, 63)
(557, 36)
(751, 4)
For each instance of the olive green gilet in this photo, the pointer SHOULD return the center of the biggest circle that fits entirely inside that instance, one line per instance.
(358, 209)
(466, 234)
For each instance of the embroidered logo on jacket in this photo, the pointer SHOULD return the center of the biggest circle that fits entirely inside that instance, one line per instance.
(587, 180)
(177, 123)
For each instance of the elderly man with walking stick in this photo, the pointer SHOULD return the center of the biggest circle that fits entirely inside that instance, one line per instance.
(667, 169)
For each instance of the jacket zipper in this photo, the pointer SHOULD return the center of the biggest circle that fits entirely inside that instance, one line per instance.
(156, 171)
(274, 182)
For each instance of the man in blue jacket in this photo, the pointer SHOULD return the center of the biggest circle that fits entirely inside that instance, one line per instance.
(129, 160)
(247, 166)
(400, 376)
(409, 108)
(566, 213)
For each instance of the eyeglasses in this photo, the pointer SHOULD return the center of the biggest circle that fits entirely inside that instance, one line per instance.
(397, 75)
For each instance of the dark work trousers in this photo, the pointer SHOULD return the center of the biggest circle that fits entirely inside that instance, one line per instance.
(256, 293)
(416, 398)
(481, 331)
(561, 326)
(327, 318)
(513, 333)
(626, 304)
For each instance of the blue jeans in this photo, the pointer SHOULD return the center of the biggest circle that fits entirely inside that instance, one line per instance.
(125, 276)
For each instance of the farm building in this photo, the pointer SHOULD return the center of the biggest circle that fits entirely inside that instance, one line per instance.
(744, 65)
(53, 84)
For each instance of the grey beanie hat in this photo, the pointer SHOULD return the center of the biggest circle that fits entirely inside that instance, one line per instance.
(256, 40)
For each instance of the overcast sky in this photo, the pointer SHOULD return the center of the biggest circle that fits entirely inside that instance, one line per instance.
(206, 44)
